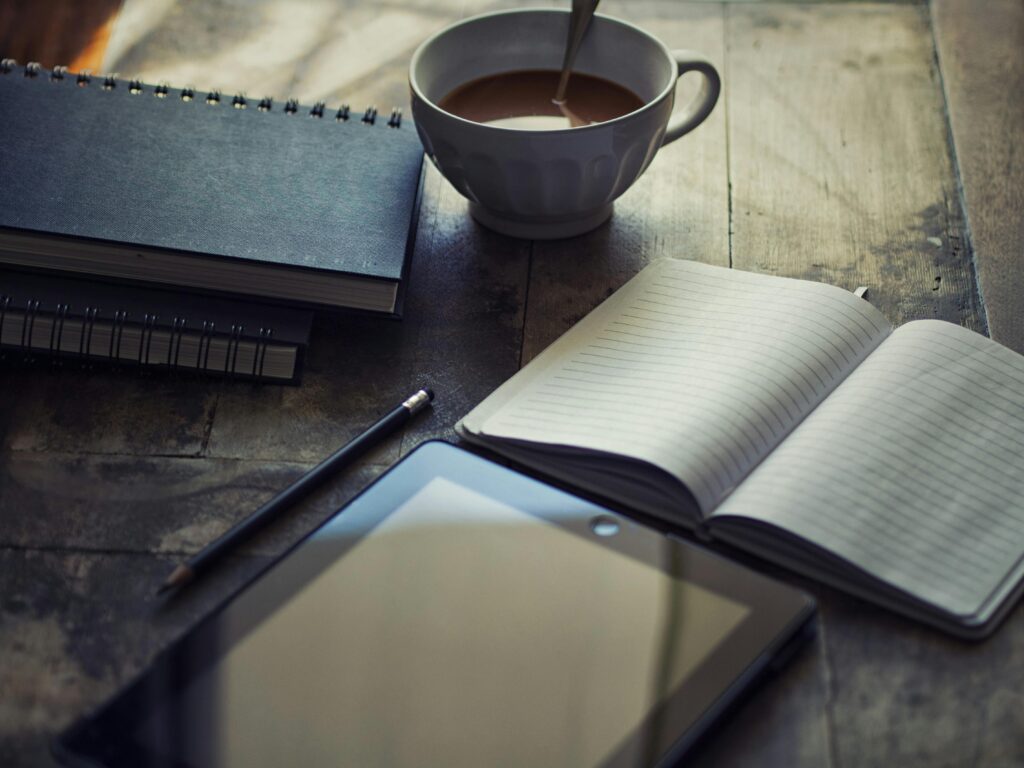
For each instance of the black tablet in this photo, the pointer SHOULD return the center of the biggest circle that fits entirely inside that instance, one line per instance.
(457, 613)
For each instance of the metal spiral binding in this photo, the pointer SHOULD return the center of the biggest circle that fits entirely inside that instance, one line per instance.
(117, 332)
(143, 356)
(142, 339)
(236, 338)
(5, 302)
(188, 93)
(177, 331)
(88, 324)
(91, 315)
(57, 329)
(227, 351)
(146, 340)
(203, 361)
(28, 325)
(62, 314)
(260, 353)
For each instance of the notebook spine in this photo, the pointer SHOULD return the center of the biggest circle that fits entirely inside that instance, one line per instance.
(110, 82)
(32, 332)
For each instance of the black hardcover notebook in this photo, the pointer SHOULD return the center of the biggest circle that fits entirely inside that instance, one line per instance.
(50, 317)
(128, 181)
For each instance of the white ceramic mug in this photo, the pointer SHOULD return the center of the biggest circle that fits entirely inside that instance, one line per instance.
(555, 183)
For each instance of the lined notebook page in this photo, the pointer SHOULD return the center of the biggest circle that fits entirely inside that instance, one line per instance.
(913, 469)
(696, 369)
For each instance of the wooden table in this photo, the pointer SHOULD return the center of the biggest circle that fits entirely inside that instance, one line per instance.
(859, 144)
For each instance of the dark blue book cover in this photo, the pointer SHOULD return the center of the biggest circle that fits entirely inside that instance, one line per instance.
(129, 181)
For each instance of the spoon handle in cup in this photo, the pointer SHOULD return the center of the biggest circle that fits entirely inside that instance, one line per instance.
(579, 22)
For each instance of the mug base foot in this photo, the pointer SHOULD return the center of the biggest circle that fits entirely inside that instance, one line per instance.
(540, 229)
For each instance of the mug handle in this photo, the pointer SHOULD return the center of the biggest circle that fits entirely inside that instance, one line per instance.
(703, 103)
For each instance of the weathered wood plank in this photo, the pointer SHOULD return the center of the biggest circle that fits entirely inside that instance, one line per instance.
(839, 160)
(75, 627)
(838, 174)
(841, 171)
(678, 208)
(167, 506)
(906, 695)
(981, 52)
(105, 411)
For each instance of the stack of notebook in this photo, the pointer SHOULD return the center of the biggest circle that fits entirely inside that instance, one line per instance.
(173, 227)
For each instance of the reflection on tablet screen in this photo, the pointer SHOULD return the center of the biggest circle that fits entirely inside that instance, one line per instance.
(460, 632)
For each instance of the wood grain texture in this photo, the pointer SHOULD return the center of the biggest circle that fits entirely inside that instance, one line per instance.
(980, 50)
(839, 160)
(904, 695)
(77, 626)
(105, 411)
(831, 136)
(841, 171)
(167, 506)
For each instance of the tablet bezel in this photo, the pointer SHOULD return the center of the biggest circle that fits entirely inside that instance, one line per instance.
(777, 614)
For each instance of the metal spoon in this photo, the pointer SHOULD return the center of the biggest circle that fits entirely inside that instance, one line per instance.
(579, 21)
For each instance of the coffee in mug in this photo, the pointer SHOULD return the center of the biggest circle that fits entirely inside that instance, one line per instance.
(538, 182)
(524, 99)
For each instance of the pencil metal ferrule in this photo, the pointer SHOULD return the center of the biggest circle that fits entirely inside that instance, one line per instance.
(417, 402)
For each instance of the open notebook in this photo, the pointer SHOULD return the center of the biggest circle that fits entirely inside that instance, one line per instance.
(788, 418)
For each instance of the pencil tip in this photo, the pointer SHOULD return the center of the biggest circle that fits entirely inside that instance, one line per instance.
(179, 576)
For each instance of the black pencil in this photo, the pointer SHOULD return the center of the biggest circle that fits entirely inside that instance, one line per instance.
(341, 458)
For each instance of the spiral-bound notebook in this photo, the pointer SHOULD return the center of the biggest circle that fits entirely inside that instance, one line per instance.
(126, 181)
(64, 320)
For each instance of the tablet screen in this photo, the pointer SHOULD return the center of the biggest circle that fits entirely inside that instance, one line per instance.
(463, 625)
(461, 617)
